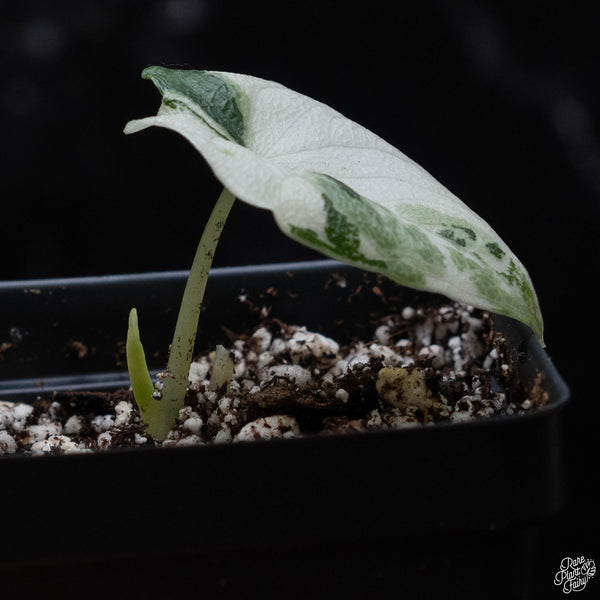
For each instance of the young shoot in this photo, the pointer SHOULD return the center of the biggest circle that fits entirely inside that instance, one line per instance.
(143, 388)
(222, 372)
(333, 186)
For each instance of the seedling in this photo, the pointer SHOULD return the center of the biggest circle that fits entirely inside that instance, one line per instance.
(331, 185)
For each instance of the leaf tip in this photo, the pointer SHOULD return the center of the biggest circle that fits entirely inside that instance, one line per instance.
(158, 75)
(151, 72)
(133, 323)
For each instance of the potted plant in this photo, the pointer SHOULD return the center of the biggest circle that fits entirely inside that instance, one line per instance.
(418, 499)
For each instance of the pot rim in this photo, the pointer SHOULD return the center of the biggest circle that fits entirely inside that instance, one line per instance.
(176, 274)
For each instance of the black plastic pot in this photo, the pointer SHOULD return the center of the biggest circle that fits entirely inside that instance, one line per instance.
(441, 511)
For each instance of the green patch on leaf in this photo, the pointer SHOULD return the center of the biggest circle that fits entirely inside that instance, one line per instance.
(210, 92)
(311, 238)
(462, 261)
(458, 234)
(354, 222)
(516, 278)
(467, 230)
(449, 234)
(495, 250)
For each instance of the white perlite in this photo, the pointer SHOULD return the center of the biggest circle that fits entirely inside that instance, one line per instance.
(267, 428)
(8, 444)
(294, 373)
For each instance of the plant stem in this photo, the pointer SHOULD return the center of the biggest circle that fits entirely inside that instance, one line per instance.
(182, 348)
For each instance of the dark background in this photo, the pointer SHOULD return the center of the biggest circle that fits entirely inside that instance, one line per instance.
(498, 100)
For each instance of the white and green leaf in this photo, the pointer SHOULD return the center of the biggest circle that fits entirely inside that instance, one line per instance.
(340, 189)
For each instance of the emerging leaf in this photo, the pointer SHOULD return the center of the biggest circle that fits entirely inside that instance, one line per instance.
(340, 189)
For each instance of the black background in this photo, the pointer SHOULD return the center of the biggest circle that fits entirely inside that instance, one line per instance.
(498, 100)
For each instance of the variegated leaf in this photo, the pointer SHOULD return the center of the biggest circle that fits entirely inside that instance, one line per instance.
(340, 189)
